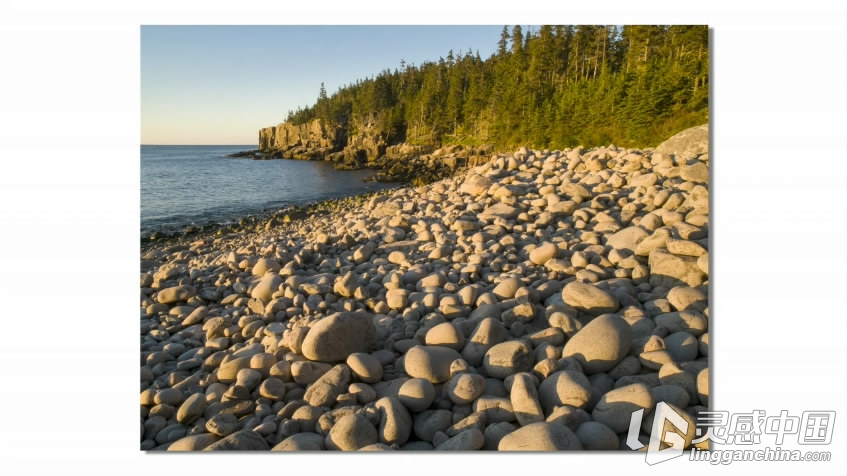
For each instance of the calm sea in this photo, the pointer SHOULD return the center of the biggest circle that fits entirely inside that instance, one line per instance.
(198, 185)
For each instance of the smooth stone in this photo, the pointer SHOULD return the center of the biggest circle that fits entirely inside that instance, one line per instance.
(565, 387)
(176, 294)
(193, 442)
(430, 362)
(543, 253)
(365, 367)
(496, 409)
(468, 440)
(508, 358)
(507, 288)
(168, 396)
(488, 333)
(542, 436)
(655, 241)
(589, 298)
(429, 422)
(669, 427)
(495, 432)
(325, 391)
(195, 317)
(601, 344)
(263, 265)
(697, 173)
(684, 321)
(416, 394)
(672, 374)
(475, 184)
(703, 263)
(615, 407)
(627, 238)
(376, 447)
(703, 387)
(305, 372)
(596, 436)
(266, 287)
(447, 335)
(248, 378)
(524, 398)
(350, 433)
(395, 424)
(682, 346)
(464, 388)
(192, 408)
(244, 440)
(335, 337)
(302, 442)
(569, 416)
(685, 248)
(272, 388)
(684, 298)
(397, 298)
(668, 270)
(222, 424)
(363, 392)
(670, 394)
(499, 210)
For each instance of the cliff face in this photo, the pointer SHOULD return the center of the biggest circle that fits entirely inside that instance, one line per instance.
(360, 143)
(313, 135)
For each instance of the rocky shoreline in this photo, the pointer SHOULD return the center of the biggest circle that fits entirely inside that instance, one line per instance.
(532, 302)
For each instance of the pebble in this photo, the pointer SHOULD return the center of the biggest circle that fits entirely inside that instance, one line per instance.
(305, 441)
(365, 367)
(543, 253)
(447, 335)
(193, 442)
(684, 298)
(601, 344)
(417, 394)
(589, 298)
(176, 294)
(524, 398)
(594, 436)
(683, 321)
(395, 424)
(507, 358)
(542, 436)
(335, 337)
(565, 387)
(325, 390)
(469, 440)
(615, 407)
(429, 422)
(464, 388)
(430, 362)
(244, 440)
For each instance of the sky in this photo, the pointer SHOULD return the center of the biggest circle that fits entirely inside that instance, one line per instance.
(221, 84)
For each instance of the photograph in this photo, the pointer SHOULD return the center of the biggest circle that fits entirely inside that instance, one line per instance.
(445, 238)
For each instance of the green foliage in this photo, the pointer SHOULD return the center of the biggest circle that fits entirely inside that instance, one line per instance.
(554, 87)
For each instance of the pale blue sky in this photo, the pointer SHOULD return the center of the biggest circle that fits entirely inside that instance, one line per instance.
(221, 84)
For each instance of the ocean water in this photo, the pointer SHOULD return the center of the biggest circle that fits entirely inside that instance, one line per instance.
(198, 185)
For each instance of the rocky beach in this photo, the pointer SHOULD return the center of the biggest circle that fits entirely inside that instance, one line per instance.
(531, 302)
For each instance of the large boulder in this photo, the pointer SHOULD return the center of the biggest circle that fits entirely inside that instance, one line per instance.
(688, 144)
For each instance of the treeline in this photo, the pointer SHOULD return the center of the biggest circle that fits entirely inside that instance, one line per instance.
(554, 87)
